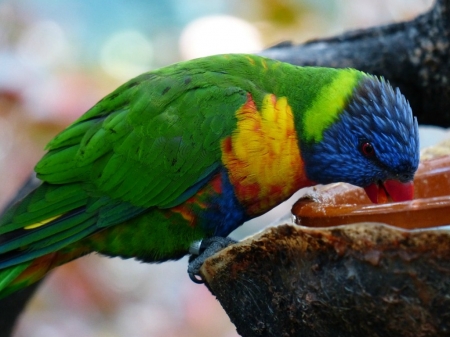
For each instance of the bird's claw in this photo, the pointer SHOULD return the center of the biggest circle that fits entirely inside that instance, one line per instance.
(194, 270)
(201, 250)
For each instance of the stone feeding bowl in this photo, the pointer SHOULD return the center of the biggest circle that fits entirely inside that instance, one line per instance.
(340, 204)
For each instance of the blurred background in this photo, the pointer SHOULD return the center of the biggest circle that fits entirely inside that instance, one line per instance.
(58, 58)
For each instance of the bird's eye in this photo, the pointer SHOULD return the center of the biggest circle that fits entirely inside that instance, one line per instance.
(367, 149)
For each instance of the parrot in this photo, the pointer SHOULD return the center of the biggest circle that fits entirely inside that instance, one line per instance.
(193, 150)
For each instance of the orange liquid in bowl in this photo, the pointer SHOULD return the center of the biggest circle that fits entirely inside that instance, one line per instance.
(340, 204)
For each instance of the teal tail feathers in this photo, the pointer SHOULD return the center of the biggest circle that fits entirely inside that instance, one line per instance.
(34, 232)
(24, 274)
(9, 276)
(22, 245)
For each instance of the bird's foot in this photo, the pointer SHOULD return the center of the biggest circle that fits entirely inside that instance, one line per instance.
(201, 250)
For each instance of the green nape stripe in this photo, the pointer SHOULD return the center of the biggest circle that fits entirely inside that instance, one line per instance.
(328, 104)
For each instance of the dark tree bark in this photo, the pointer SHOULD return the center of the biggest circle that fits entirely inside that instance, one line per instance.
(412, 55)
(354, 280)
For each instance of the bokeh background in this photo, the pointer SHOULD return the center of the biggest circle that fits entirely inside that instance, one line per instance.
(58, 58)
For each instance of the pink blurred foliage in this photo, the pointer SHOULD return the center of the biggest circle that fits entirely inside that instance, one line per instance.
(160, 301)
(65, 97)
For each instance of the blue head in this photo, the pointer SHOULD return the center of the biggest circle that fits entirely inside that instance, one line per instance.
(373, 144)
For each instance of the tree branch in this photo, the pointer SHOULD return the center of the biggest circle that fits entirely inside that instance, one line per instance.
(355, 280)
(412, 55)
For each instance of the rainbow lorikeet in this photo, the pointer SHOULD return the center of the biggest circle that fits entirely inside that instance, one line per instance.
(195, 149)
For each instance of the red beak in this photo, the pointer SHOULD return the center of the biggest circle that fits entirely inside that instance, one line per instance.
(398, 191)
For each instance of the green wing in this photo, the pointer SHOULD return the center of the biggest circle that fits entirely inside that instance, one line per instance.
(151, 143)
(148, 142)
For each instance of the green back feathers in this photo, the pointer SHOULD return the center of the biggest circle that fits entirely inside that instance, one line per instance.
(150, 141)
(317, 95)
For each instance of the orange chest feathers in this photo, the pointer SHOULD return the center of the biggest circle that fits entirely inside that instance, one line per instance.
(262, 155)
